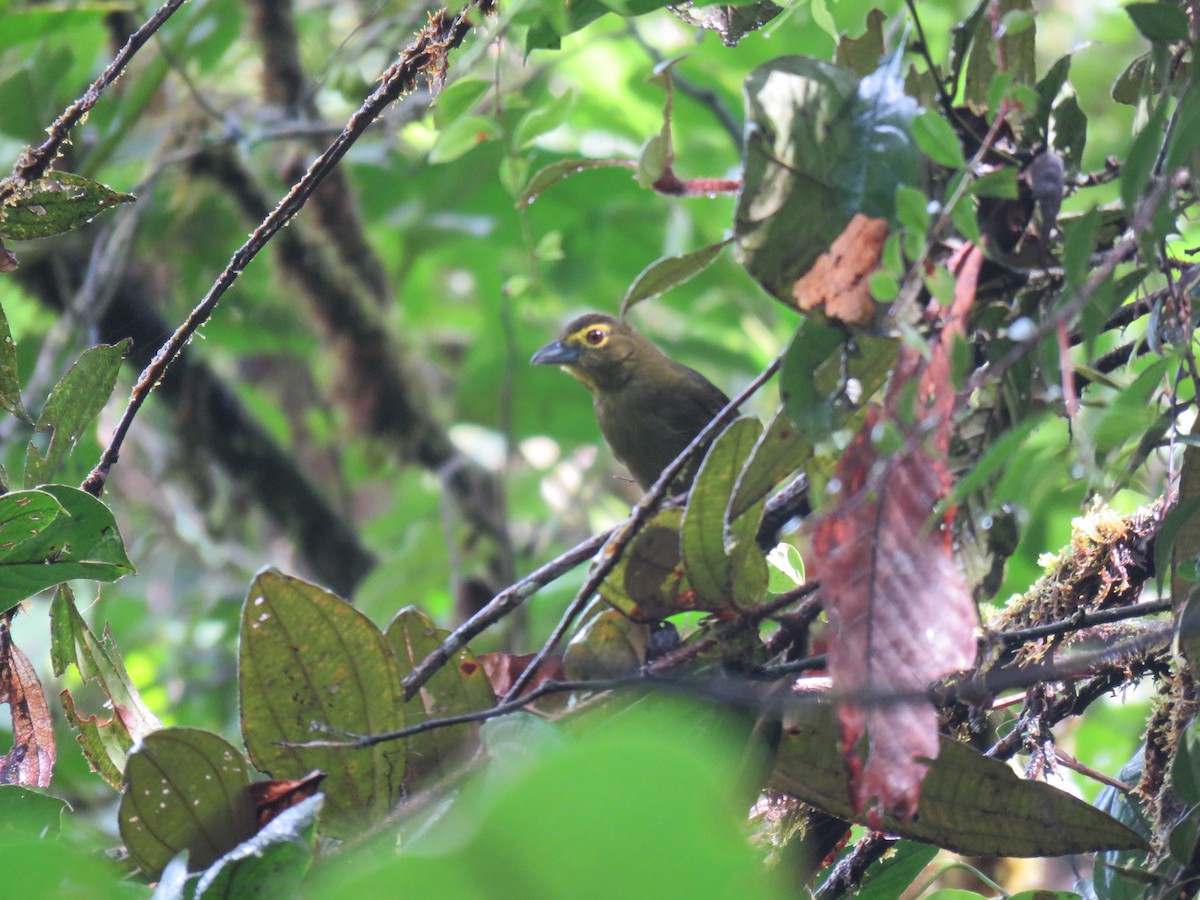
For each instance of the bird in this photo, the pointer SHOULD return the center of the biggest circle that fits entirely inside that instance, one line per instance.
(649, 407)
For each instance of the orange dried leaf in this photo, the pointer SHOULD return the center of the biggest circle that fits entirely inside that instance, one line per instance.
(838, 282)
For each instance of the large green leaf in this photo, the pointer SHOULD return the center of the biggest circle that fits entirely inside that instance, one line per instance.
(312, 667)
(781, 449)
(969, 803)
(724, 576)
(53, 534)
(75, 401)
(798, 112)
(460, 686)
(185, 789)
(821, 146)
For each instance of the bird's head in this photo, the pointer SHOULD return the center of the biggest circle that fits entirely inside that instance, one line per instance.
(602, 352)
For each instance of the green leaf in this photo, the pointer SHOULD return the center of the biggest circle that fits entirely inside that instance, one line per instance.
(1115, 874)
(106, 744)
(781, 450)
(543, 118)
(308, 658)
(460, 686)
(75, 401)
(1048, 89)
(461, 136)
(861, 55)
(273, 862)
(584, 817)
(1139, 162)
(570, 17)
(969, 803)
(1070, 133)
(883, 151)
(648, 582)
(723, 577)
(10, 383)
(1159, 21)
(30, 810)
(800, 131)
(1140, 73)
(58, 203)
(653, 160)
(458, 99)
(891, 876)
(937, 139)
(1000, 183)
(55, 534)
(607, 646)
(1185, 768)
(555, 172)
(670, 271)
(1015, 48)
(813, 381)
(185, 789)
(912, 210)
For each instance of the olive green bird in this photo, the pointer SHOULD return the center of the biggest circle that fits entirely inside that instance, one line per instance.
(648, 406)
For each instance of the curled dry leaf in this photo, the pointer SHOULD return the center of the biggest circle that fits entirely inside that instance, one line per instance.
(838, 284)
(31, 759)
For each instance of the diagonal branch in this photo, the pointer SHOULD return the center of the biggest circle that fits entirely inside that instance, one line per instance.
(426, 55)
(34, 163)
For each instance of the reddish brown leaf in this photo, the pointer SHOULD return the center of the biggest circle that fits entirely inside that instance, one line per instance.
(838, 282)
(898, 606)
(271, 798)
(503, 670)
(31, 759)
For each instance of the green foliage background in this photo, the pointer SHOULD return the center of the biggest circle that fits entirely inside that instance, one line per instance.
(475, 282)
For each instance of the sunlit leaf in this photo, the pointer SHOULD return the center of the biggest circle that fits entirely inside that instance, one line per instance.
(663, 274)
(312, 667)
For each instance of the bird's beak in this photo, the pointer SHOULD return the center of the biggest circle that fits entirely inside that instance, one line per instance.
(555, 354)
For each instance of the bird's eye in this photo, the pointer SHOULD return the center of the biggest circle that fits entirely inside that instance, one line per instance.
(596, 336)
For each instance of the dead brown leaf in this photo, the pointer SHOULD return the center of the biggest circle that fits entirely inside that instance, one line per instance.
(899, 608)
(838, 285)
(31, 759)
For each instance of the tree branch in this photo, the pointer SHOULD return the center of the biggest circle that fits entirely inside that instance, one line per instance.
(426, 55)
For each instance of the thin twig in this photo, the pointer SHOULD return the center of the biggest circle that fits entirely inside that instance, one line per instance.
(426, 54)
(500, 606)
(34, 163)
(1088, 620)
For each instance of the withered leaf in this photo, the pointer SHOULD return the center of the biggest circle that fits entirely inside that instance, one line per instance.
(900, 611)
(838, 283)
(31, 759)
